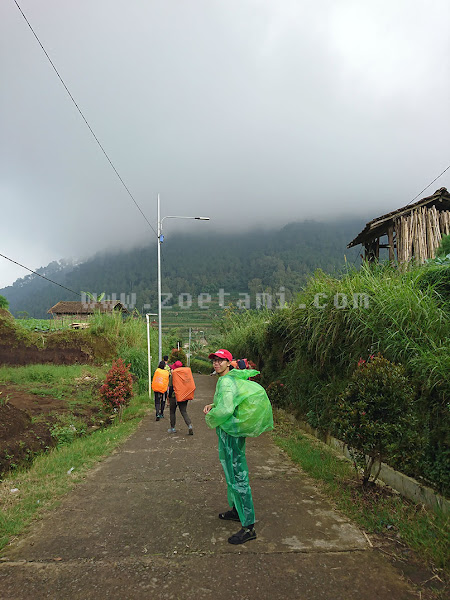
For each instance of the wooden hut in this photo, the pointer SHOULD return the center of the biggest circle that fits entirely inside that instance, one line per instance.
(81, 311)
(412, 232)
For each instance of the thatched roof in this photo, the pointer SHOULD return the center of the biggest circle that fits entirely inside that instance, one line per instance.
(86, 308)
(379, 226)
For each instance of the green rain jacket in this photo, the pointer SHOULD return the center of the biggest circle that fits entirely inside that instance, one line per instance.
(240, 407)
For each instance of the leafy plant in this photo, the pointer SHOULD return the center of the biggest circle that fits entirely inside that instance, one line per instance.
(374, 415)
(65, 433)
(117, 390)
(4, 302)
(93, 296)
(444, 247)
(178, 355)
(278, 393)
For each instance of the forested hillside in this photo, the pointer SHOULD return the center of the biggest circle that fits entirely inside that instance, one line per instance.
(250, 262)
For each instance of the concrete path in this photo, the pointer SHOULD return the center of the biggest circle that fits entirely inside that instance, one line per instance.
(144, 525)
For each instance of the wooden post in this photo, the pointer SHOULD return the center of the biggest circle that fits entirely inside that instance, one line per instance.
(390, 234)
(371, 250)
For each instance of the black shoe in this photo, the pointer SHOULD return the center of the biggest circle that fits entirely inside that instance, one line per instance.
(191, 431)
(230, 515)
(157, 418)
(244, 535)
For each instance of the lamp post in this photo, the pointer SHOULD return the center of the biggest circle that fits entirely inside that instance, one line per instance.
(160, 241)
(148, 315)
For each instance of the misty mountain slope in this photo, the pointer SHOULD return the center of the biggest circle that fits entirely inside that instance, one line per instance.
(192, 264)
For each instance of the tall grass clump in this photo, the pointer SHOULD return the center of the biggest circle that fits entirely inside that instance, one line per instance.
(130, 337)
(243, 333)
(127, 331)
(376, 309)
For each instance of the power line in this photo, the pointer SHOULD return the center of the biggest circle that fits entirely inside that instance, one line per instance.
(39, 275)
(436, 178)
(84, 118)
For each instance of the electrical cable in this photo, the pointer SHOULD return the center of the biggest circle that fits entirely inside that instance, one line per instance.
(84, 118)
(39, 275)
(429, 185)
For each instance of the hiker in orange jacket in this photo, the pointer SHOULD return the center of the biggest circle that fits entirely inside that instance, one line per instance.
(160, 383)
(183, 387)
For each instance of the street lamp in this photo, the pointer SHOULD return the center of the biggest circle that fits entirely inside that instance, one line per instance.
(160, 241)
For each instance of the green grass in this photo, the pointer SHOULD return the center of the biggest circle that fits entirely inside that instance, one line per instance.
(56, 381)
(43, 485)
(378, 512)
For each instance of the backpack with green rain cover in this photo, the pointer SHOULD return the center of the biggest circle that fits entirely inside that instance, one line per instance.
(240, 407)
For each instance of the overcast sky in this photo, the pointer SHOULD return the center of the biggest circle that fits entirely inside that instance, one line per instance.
(253, 112)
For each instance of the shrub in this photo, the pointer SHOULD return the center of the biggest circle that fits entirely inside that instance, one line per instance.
(201, 365)
(444, 247)
(116, 392)
(178, 355)
(65, 433)
(278, 393)
(374, 415)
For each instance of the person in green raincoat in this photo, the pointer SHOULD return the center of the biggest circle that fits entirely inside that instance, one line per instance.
(240, 409)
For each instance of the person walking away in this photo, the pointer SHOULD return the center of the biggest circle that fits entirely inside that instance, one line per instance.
(160, 383)
(169, 370)
(184, 388)
(240, 409)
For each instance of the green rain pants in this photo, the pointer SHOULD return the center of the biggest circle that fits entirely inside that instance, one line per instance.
(234, 463)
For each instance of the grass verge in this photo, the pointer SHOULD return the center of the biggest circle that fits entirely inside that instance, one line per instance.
(52, 475)
(376, 510)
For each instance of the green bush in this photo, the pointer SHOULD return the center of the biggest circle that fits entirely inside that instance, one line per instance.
(436, 278)
(178, 355)
(65, 433)
(444, 246)
(375, 416)
(278, 394)
(201, 365)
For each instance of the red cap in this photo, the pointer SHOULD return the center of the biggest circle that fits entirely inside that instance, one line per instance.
(222, 354)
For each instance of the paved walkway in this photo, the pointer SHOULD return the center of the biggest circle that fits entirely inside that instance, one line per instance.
(144, 525)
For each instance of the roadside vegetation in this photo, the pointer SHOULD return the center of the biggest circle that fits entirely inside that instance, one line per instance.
(311, 352)
(364, 357)
(406, 532)
(26, 494)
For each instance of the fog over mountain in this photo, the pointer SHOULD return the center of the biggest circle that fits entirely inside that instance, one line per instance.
(281, 260)
(252, 112)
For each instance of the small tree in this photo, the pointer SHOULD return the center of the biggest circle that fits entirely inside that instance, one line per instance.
(178, 355)
(117, 390)
(374, 415)
(4, 303)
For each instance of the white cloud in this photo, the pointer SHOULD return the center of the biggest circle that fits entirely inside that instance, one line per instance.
(249, 111)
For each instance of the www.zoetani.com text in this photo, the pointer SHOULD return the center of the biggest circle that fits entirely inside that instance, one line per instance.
(222, 300)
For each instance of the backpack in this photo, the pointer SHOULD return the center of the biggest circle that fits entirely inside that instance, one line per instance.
(242, 363)
(160, 381)
(183, 384)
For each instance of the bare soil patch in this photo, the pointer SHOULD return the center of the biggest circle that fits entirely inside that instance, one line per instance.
(26, 421)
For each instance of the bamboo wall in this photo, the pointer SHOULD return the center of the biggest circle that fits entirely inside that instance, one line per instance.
(419, 234)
